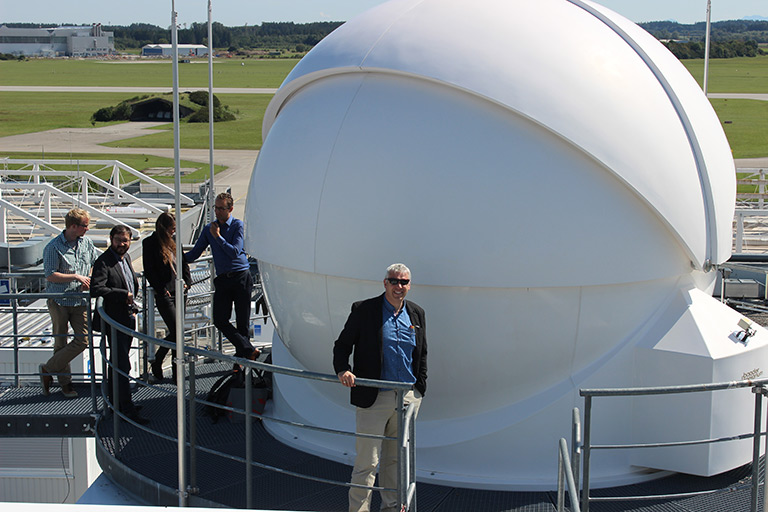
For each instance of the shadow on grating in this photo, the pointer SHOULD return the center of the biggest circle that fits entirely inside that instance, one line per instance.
(222, 480)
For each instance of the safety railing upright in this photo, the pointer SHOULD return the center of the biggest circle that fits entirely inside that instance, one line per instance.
(568, 465)
(11, 304)
(759, 388)
(187, 450)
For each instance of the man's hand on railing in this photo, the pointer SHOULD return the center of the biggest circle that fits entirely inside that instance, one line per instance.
(347, 378)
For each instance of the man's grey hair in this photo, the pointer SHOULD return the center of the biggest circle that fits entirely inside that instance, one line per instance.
(397, 268)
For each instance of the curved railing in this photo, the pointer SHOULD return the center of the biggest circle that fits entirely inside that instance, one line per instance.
(567, 470)
(406, 469)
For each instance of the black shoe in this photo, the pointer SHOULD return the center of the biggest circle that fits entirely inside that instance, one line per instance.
(157, 368)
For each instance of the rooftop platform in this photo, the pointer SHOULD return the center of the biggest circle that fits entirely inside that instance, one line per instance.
(145, 465)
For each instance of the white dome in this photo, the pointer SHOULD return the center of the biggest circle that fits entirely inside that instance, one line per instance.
(526, 177)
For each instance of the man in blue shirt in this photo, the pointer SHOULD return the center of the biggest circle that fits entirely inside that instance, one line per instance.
(387, 337)
(233, 284)
(67, 261)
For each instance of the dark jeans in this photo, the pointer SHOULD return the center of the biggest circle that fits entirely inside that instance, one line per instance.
(234, 288)
(123, 347)
(166, 305)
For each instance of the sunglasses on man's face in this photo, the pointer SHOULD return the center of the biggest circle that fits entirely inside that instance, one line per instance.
(394, 281)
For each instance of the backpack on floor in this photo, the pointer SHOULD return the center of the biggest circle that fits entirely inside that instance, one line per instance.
(219, 393)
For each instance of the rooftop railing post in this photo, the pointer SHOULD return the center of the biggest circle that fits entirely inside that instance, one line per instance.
(92, 359)
(758, 391)
(113, 382)
(765, 495)
(402, 476)
(560, 479)
(192, 425)
(148, 323)
(103, 354)
(576, 444)
(412, 462)
(216, 341)
(15, 307)
(586, 452)
(248, 408)
(565, 473)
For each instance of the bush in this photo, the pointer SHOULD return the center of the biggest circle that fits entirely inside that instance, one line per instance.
(201, 98)
(104, 114)
(219, 114)
(121, 112)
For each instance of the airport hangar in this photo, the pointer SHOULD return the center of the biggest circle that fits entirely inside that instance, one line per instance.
(86, 41)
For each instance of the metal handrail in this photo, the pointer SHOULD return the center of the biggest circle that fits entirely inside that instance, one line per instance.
(565, 475)
(758, 388)
(14, 298)
(406, 473)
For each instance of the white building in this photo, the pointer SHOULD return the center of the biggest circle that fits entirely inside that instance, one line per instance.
(166, 50)
(57, 41)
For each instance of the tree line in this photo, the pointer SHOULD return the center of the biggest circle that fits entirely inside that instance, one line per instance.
(742, 30)
(734, 38)
(280, 35)
(717, 49)
(268, 35)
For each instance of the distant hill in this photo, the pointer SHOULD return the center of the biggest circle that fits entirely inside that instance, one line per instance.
(740, 30)
(755, 18)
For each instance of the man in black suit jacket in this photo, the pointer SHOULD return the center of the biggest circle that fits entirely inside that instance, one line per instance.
(114, 279)
(387, 338)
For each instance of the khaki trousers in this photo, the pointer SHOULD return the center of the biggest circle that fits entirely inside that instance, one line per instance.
(61, 318)
(379, 419)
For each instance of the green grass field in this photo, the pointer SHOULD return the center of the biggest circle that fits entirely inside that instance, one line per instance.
(739, 75)
(746, 126)
(95, 73)
(22, 112)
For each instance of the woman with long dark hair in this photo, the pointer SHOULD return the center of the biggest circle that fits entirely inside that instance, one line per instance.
(159, 258)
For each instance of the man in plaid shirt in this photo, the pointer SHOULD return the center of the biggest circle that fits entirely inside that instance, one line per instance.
(67, 260)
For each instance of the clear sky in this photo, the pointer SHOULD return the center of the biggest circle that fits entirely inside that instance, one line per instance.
(254, 12)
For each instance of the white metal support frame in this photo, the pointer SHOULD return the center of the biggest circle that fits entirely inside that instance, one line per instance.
(5, 206)
(116, 165)
(95, 212)
(85, 179)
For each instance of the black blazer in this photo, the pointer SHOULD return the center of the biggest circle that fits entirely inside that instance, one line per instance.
(362, 332)
(160, 275)
(108, 281)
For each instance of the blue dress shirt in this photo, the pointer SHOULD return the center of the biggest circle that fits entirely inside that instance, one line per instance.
(398, 339)
(227, 250)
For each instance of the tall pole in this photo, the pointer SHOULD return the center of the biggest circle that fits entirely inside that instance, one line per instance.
(706, 47)
(179, 362)
(210, 115)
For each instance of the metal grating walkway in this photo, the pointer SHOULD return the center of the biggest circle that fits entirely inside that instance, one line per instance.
(25, 412)
(145, 465)
(222, 481)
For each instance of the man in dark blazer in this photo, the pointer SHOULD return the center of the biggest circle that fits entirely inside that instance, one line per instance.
(114, 279)
(387, 338)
